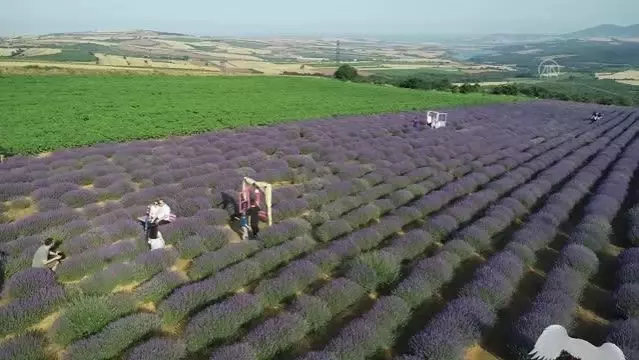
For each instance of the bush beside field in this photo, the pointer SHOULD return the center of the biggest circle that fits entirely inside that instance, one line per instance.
(41, 114)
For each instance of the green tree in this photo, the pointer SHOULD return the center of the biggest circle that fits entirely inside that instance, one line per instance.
(346, 72)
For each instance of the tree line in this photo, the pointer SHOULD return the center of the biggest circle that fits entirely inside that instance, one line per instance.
(569, 90)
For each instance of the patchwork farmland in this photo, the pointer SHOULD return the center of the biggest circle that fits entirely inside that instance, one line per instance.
(389, 241)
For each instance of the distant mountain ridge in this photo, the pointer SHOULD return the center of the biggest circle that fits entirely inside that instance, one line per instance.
(607, 30)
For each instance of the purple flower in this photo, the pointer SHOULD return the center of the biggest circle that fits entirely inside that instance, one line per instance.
(401, 197)
(339, 294)
(389, 311)
(628, 273)
(475, 236)
(11, 190)
(463, 321)
(565, 279)
(507, 264)
(333, 229)
(388, 226)
(79, 198)
(88, 240)
(189, 297)
(629, 256)
(411, 245)
(159, 286)
(362, 215)
(579, 258)
(459, 248)
(28, 282)
(317, 355)
(114, 338)
(313, 309)
(235, 352)
(284, 231)
(211, 262)
(40, 222)
(325, 259)
(294, 277)
(105, 181)
(491, 286)
(604, 206)
(289, 209)
(360, 339)
(625, 334)
(152, 262)
(221, 320)
(627, 300)
(30, 346)
(277, 334)
(441, 226)
(22, 313)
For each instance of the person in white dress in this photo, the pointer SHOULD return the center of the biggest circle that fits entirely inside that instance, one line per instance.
(158, 213)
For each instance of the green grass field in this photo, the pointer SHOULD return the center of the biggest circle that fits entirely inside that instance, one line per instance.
(43, 113)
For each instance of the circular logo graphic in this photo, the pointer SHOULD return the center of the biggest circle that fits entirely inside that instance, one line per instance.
(549, 68)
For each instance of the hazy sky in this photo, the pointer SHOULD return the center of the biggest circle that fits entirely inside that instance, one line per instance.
(241, 17)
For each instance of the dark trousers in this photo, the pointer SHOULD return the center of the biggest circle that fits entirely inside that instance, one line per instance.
(152, 228)
(255, 229)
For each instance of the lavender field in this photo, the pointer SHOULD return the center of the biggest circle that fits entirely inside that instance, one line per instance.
(388, 242)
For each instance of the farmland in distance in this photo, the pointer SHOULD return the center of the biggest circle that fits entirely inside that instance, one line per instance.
(42, 113)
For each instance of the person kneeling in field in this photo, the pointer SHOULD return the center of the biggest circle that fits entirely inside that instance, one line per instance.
(44, 257)
(158, 213)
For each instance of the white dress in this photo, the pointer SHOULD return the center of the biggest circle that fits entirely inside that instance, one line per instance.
(157, 243)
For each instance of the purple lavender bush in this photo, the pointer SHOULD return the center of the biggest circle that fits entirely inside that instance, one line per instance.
(362, 215)
(114, 338)
(29, 346)
(313, 309)
(28, 282)
(332, 229)
(360, 339)
(579, 258)
(221, 320)
(633, 225)
(158, 348)
(411, 245)
(628, 273)
(449, 333)
(88, 315)
(628, 256)
(211, 262)
(441, 226)
(20, 314)
(459, 248)
(276, 334)
(475, 236)
(159, 286)
(235, 352)
(270, 258)
(318, 355)
(189, 297)
(79, 198)
(284, 231)
(625, 334)
(293, 278)
(191, 247)
(627, 300)
(492, 287)
(339, 294)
